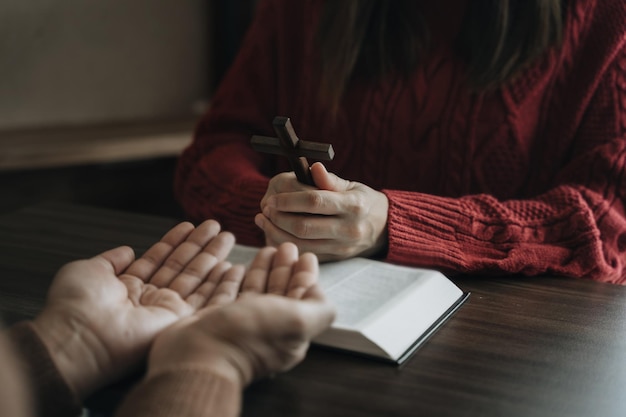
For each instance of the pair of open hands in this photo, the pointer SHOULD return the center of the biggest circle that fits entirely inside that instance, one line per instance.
(337, 219)
(182, 303)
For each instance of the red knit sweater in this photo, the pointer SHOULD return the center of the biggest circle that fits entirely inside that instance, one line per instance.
(527, 179)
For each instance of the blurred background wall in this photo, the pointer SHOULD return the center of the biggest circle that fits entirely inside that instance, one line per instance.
(99, 97)
(95, 61)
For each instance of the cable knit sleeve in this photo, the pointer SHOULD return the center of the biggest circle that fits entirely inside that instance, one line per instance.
(577, 228)
(219, 175)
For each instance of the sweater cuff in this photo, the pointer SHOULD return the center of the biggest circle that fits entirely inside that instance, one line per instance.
(53, 395)
(423, 231)
(182, 393)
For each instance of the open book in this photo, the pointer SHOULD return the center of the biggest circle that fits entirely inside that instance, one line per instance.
(384, 311)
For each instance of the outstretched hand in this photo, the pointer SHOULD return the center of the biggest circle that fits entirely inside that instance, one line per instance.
(268, 329)
(337, 220)
(103, 313)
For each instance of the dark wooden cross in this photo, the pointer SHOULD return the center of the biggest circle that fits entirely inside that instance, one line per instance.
(297, 151)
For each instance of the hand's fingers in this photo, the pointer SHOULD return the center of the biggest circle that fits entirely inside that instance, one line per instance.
(119, 258)
(280, 271)
(201, 264)
(305, 275)
(342, 244)
(328, 203)
(321, 247)
(205, 291)
(228, 288)
(286, 182)
(144, 267)
(307, 226)
(282, 268)
(274, 236)
(318, 314)
(185, 252)
(257, 275)
(325, 180)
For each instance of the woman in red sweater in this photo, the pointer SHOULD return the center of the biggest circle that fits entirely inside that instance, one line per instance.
(469, 137)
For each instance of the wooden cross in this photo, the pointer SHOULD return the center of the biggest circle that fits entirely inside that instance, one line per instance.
(296, 150)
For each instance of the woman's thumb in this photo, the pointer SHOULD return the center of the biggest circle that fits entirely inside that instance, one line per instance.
(324, 180)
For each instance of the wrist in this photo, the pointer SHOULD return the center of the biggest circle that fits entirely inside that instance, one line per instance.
(212, 356)
(382, 245)
(379, 224)
(215, 367)
(74, 349)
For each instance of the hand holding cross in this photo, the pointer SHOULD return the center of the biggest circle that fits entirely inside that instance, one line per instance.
(296, 150)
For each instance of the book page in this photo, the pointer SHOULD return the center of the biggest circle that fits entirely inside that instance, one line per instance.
(395, 328)
(242, 255)
(358, 287)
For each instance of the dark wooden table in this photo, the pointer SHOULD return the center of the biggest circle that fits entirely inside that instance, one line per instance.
(522, 347)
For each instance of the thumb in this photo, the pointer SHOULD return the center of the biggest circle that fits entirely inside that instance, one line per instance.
(324, 180)
(119, 258)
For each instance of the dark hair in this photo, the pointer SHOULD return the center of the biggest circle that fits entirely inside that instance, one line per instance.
(370, 38)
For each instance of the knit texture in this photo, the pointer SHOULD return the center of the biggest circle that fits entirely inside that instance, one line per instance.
(177, 392)
(51, 393)
(183, 393)
(527, 179)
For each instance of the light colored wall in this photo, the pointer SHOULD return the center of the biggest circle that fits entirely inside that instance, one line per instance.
(69, 62)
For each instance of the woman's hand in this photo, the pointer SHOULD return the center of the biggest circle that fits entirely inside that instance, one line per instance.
(339, 219)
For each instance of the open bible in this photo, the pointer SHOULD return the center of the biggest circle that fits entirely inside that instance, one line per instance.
(384, 311)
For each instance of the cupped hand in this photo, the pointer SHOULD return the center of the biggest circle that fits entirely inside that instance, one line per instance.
(267, 330)
(102, 314)
(337, 220)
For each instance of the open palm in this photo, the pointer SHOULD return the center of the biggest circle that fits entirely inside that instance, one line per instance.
(268, 329)
(106, 310)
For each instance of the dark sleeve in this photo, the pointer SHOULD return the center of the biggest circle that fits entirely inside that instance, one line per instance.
(52, 395)
(183, 393)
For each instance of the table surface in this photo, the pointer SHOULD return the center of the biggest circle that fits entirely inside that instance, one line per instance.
(544, 346)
